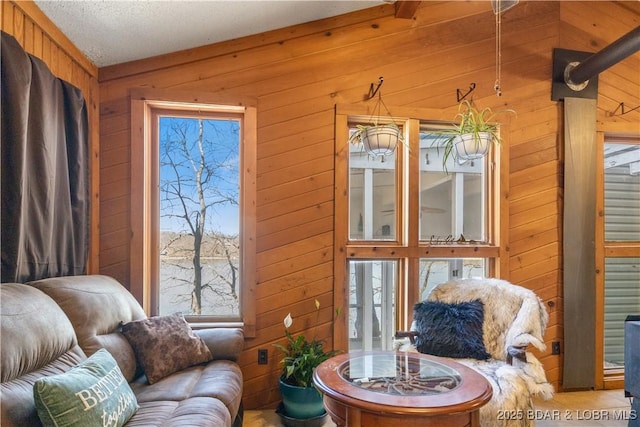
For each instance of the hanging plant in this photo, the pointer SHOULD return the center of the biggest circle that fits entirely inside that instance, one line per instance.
(471, 136)
(378, 139)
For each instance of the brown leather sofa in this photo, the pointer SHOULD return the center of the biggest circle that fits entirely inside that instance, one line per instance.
(50, 325)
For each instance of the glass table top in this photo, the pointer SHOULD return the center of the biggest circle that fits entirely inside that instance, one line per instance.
(399, 374)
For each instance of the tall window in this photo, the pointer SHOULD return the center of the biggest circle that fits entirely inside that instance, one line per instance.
(411, 223)
(199, 233)
(620, 245)
(196, 201)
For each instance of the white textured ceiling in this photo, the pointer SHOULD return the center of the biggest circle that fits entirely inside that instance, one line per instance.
(112, 32)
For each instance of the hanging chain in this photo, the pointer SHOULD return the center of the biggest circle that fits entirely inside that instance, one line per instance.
(496, 85)
(376, 112)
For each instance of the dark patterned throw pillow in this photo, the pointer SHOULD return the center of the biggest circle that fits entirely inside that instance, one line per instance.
(450, 330)
(164, 345)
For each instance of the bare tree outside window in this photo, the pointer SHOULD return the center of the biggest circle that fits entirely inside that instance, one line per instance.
(199, 216)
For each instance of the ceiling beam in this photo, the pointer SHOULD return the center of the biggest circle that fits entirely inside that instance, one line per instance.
(405, 9)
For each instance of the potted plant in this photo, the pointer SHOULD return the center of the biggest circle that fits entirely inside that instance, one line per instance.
(471, 137)
(377, 139)
(300, 398)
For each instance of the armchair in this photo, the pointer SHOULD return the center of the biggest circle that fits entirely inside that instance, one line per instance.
(511, 317)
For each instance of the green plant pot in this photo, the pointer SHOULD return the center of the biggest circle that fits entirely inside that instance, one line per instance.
(287, 421)
(301, 402)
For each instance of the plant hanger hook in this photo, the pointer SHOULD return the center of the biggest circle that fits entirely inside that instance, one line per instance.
(372, 90)
(375, 112)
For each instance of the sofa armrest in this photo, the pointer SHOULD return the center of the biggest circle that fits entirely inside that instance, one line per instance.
(224, 343)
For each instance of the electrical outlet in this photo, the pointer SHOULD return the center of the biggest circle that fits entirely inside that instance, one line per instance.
(555, 347)
(263, 356)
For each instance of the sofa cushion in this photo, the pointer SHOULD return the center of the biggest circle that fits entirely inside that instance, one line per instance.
(35, 331)
(196, 411)
(36, 339)
(218, 379)
(79, 296)
(16, 396)
(450, 330)
(91, 393)
(223, 343)
(164, 345)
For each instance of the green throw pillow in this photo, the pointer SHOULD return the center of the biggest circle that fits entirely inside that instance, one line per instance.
(93, 393)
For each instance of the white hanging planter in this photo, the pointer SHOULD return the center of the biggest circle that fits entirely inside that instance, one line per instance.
(380, 140)
(469, 138)
(472, 146)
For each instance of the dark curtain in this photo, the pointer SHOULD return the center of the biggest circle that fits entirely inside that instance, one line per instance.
(45, 183)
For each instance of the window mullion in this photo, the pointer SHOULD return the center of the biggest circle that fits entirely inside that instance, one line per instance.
(387, 304)
(367, 307)
(411, 189)
(367, 202)
(407, 294)
(457, 212)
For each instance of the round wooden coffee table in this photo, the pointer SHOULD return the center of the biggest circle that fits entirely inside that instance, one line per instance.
(382, 389)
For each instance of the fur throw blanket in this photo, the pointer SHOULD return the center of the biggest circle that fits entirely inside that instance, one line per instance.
(513, 316)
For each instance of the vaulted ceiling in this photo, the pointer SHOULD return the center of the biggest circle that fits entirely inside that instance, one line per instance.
(113, 32)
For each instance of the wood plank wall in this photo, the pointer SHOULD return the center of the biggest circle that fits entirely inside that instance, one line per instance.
(299, 73)
(41, 38)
